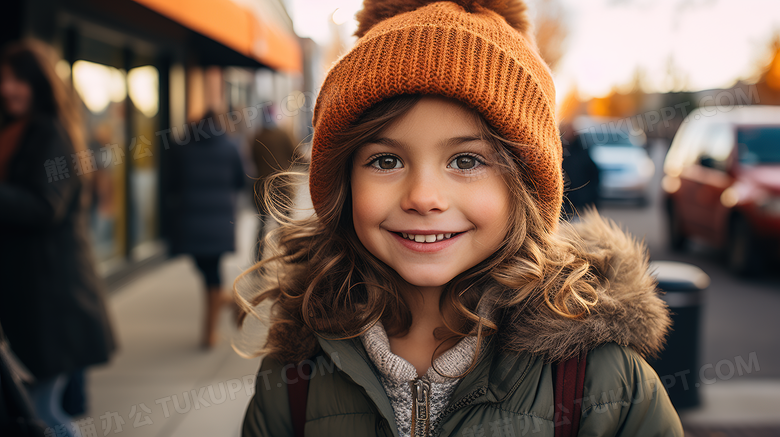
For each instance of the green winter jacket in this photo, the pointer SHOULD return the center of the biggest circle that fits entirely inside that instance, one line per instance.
(509, 393)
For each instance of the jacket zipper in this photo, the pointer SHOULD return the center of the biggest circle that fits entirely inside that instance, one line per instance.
(421, 422)
(464, 401)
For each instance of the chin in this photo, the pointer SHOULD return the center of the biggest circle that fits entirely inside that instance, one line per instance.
(427, 280)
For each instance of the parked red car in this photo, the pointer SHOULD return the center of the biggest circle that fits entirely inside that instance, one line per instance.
(722, 183)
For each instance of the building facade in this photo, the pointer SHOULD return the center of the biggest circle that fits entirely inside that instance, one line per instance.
(146, 72)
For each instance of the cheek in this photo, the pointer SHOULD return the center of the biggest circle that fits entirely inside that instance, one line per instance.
(17, 93)
(491, 208)
(361, 210)
(7, 92)
(365, 207)
(25, 94)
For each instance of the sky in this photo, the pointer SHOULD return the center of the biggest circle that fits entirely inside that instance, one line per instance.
(710, 43)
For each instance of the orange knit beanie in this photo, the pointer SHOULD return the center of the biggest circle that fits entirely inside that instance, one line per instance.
(478, 52)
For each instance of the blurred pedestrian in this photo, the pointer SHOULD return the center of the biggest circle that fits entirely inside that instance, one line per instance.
(205, 177)
(581, 175)
(52, 303)
(272, 150)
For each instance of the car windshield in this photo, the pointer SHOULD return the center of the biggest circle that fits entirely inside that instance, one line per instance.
(759, 145)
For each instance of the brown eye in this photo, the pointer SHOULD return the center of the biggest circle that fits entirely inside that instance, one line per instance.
(387, 162)
(465, 162)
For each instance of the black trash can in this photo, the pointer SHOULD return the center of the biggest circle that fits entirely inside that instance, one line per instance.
(678, 365)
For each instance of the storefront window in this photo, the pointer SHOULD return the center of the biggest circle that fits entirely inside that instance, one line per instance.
(98, 85)
(102, 89)
(143, 88)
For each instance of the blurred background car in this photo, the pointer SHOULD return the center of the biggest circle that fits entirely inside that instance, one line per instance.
(625, 167)
(722, 184)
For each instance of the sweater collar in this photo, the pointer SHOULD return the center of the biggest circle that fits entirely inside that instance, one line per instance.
(454, 361)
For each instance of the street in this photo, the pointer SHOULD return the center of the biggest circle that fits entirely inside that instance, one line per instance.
(739, 324)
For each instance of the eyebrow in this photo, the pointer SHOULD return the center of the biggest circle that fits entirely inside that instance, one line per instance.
(449, 142)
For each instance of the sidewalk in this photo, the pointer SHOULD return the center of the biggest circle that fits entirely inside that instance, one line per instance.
(738, 404)
(160, 383)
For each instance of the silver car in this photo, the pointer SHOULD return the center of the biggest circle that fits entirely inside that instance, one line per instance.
(626, 169)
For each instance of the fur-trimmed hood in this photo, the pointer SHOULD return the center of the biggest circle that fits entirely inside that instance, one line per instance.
(629, 311)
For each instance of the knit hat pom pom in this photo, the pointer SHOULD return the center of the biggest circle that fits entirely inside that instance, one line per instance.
(514, 12)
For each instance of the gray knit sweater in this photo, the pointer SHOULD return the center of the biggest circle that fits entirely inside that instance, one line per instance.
(395, 373)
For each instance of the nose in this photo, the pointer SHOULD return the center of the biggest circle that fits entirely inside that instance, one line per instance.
(424, 193)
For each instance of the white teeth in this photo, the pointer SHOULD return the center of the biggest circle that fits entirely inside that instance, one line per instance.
(432, 238)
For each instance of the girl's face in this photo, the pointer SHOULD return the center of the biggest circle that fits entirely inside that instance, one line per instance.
(425, 198)
(16, 94)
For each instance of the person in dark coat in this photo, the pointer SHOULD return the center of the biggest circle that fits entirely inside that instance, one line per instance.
(205, 177)
(52, 303)
(581, 175)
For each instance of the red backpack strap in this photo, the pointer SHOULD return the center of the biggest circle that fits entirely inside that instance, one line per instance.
(297, 393)
(568, 384)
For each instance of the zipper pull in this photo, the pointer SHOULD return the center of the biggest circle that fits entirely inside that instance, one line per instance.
(420, 408)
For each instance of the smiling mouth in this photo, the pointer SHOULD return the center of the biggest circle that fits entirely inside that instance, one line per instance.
(429, 238)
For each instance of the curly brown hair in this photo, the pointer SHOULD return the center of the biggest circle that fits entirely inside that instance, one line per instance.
(322, 281)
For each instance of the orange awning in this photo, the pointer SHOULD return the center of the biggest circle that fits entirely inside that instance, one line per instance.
(236, 27)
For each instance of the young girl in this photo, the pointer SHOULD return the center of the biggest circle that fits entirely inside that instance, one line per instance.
(435, 292)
